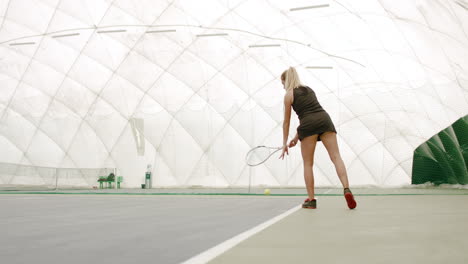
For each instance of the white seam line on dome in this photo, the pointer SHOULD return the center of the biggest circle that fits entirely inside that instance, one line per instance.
(421, 11)
(248, 95)
(462, 4)
(13, 143)
(52, 7)
(63, 104)
(84, 86)
(62, 148)
(251, 96)
(31, 59)
(302, 63)
(308, 7)
(195, 92)
(104, 100)
(89, 15)
(356, 154)
(240, 30)
(212, 28)
(13, 109)
(98, 97)
(218, 71)
(368, 147)
(145, 93)
(52, 100)
(416, 57)
(376, 105)
(379, 141)
(267, 167)
(393, 17)
(348, 9)
(458, 20)
(114, 106)
(271, 132)
(411, 89)
(388, 111)
(309, 45)
(423, 65)
(293, 41)
(383, 144)
(17, 146)
(350, 111)
(396, 166)
(117, 139)
(5, 14)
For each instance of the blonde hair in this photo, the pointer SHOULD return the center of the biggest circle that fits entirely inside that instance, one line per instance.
(291, 79)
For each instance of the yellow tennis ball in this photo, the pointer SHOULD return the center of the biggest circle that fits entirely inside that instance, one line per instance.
(267, 192)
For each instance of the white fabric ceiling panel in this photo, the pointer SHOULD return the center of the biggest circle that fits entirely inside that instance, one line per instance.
(87, 141)
(204, 80)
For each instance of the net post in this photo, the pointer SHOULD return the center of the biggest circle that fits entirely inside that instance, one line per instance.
(56, 179)
(250, 177)
(114, 170)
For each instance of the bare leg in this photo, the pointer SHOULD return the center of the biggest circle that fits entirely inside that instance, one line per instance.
(308, 149)
(331, 144)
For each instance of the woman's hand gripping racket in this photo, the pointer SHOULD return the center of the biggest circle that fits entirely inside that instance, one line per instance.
(260, 155)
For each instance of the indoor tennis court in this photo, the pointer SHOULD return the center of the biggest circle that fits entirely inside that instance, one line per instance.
(179, 226)
(233, 131)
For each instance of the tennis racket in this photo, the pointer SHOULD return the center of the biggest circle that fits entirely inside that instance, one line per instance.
(260, 155)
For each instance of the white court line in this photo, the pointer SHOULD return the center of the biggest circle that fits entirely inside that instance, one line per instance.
(15, 197)
(219, 249)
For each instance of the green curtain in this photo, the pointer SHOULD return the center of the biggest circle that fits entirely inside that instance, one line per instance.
(443, 158)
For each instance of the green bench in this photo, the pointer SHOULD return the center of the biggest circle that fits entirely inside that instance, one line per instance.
(109, 180)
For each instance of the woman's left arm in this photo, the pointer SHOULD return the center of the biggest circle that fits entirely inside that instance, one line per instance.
(287, 120)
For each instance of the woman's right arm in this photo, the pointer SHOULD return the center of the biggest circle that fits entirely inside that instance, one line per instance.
(293, 141)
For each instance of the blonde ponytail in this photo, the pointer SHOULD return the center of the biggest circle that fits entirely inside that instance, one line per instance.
(290, 78)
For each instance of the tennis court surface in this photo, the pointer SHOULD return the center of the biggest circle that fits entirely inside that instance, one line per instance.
(413, 225)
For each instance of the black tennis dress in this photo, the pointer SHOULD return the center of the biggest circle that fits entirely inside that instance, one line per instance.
(313, 119)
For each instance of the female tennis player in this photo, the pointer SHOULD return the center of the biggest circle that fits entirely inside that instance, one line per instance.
(315, 125)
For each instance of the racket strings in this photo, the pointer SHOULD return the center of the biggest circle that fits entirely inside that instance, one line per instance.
(259, 155)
